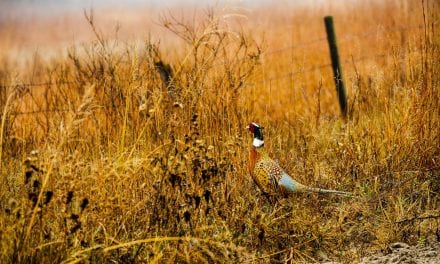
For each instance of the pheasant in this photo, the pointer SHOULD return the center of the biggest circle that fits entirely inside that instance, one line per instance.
(268, 174)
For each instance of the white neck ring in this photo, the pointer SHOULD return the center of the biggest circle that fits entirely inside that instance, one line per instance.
(257, 143)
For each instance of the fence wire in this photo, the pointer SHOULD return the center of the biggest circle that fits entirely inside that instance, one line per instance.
(45, 84)
(41, 112)
(321, 66)
(269, 53)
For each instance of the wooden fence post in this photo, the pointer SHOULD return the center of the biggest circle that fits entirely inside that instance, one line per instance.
(336, 64)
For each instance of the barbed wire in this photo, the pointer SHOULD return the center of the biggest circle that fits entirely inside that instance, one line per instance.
(268, 53)
(291, 74)
(40, 111)
(343, 38)
(321, 66)
(383, 31)
(270, 79)
(310, 69)
(54, 110)
(295, 46)
(44, 84)
(346, 37)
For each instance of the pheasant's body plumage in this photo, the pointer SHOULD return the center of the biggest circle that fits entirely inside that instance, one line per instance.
(268, 174)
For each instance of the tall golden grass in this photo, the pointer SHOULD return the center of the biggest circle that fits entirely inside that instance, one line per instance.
(107, 162)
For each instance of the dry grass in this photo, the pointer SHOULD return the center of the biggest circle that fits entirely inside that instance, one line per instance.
(129, 169)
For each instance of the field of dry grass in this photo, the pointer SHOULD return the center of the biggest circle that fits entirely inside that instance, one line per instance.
(104, 158)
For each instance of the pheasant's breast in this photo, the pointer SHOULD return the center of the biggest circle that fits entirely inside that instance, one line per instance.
(267, 174)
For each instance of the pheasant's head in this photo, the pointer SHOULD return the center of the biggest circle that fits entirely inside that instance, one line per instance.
(257, 130)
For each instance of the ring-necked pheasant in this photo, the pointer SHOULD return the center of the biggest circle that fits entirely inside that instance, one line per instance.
(268, 174)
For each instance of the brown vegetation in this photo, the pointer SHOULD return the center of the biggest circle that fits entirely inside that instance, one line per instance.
(127, 153)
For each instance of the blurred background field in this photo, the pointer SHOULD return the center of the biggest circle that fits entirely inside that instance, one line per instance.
(122, 130)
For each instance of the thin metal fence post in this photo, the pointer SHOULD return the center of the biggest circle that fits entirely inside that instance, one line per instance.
(336, 64)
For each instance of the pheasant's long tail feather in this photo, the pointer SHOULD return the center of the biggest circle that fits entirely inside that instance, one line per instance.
(293, 186)
(319, 190)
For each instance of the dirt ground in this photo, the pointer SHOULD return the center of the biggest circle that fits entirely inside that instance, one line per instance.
(427, 252)
(423, 253)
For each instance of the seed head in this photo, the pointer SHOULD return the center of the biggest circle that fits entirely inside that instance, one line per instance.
(48, 197)
(187, 216)
(69, 197)
(84, 203)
